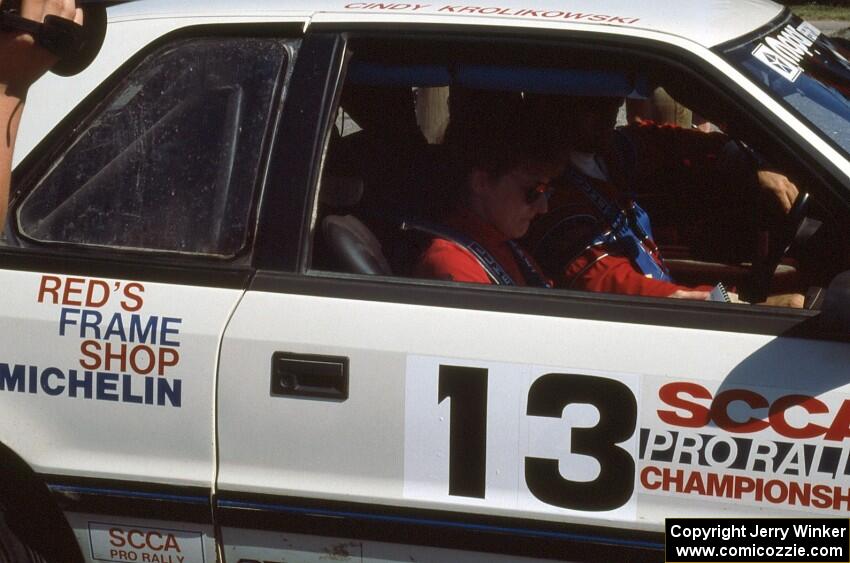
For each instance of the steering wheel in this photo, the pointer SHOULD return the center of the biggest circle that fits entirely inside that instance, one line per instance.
(780, 241)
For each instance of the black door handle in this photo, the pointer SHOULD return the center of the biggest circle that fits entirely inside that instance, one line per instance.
(309, 375)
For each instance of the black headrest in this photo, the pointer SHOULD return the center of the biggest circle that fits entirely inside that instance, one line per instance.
(341, 191)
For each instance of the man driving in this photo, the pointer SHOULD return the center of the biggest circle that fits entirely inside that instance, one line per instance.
(597, 236)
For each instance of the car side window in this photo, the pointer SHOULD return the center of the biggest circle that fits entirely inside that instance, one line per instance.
(171, 160)
(394, 198)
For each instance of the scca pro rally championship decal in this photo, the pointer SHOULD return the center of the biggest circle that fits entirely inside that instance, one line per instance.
(757, 446)
(123, 353)
(120, 543)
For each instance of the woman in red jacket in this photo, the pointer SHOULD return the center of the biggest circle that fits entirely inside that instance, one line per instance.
(504, 169)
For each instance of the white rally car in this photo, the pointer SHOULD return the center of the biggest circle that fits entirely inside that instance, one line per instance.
(211, 346)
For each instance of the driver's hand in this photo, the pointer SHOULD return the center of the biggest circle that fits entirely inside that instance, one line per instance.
(793, 300)
(690, 294)
(780, 187)
(22, 61)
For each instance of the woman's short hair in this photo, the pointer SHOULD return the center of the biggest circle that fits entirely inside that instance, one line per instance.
(494, 132)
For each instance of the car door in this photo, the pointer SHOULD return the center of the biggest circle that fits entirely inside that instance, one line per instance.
(380, 417)
(128, 249)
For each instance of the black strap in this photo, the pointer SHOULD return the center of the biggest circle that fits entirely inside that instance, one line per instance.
(485, 259)
(532, 275)
(60, 36)
(489, 263)
(627, 233)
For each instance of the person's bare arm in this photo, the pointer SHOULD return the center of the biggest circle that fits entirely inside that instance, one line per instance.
(22, 62)
(10, 112)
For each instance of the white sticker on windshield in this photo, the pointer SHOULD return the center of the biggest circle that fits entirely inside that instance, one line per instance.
(786, 50)
(810, 31)
(777, 63)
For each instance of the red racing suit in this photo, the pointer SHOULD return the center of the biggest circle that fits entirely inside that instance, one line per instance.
(448, 260)
(566, 241)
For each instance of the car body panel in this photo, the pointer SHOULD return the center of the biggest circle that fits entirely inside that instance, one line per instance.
(708, 22)
(380, 429)
(48, 343)
(267, 477)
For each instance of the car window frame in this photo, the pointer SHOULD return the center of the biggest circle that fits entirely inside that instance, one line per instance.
(299, 278)
(107, 259)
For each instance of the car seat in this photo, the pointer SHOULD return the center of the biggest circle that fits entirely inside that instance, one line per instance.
(350, 246)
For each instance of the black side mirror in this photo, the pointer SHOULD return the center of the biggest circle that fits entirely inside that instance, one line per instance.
(75, 46)
(94, 32)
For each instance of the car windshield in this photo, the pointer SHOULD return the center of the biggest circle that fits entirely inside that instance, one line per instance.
(806, 71)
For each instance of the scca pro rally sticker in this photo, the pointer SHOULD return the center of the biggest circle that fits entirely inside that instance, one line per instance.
(763, 447)
(122, 543)
(786, 52)
(514, 436)
(123, 353)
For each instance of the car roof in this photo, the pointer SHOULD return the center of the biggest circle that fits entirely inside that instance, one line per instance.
(707, 22)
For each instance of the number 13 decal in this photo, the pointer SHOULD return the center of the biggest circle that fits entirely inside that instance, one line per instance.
(617, 419)
(463, 394)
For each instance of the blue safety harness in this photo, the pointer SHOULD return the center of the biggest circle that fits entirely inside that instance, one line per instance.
(494, 270)
(630, 230)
